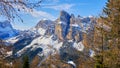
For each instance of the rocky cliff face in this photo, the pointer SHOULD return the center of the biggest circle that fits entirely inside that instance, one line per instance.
(67, 28)
(62, 25)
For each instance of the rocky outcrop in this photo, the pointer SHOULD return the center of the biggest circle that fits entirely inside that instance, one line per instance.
(47, 25)
(67, 27)
(72, 19)
(62, 25)
(64, 16)
(58, 31)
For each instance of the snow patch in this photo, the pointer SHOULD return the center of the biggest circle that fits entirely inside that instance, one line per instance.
(91, 53)
(41, 31)
(12, 40)
(74, 25)
(61, 22)
(46, 43)
(9, 53)
(72, 63)
(79, 46)
(70, 40)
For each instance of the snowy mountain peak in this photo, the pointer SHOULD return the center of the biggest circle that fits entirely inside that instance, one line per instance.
(5, 24)
(44, 23)
(6, 30)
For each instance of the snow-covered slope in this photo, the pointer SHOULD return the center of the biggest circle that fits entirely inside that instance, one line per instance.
(46, 43)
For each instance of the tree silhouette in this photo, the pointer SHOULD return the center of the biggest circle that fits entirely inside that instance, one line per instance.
(26, 62)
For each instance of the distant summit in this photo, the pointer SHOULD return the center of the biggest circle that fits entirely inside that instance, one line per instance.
(6, 30)
(64, 16)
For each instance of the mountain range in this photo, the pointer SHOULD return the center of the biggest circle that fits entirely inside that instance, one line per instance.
(63, 36)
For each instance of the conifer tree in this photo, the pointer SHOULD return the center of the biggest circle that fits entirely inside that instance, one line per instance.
(110, 35)
(26, 62)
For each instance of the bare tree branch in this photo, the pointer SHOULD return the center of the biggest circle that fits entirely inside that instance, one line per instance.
(10, 8)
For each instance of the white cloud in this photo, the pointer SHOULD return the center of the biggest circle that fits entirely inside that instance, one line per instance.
(53, 0)
(50, 1)
(60, 7)
(34, 12)
(42, 14)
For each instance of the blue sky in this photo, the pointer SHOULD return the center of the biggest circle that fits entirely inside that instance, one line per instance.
(50, 10)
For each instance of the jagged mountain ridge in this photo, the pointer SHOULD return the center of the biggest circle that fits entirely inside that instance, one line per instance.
(50, 37)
